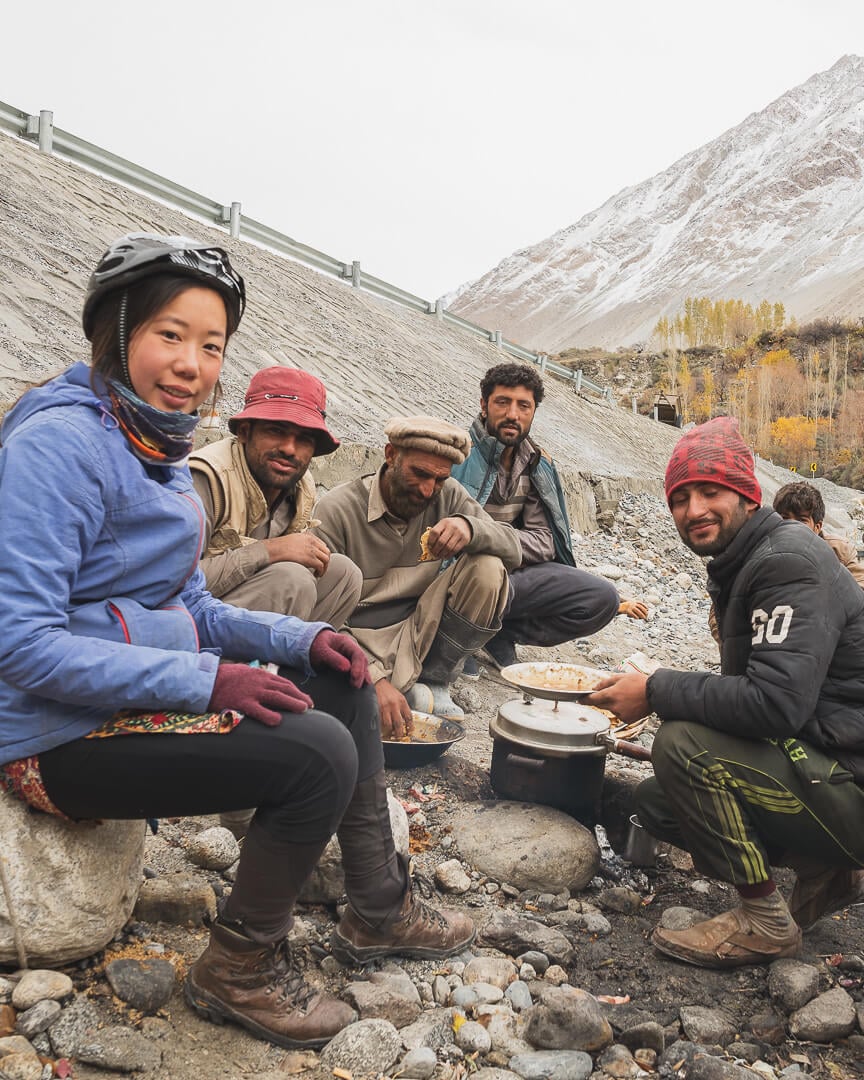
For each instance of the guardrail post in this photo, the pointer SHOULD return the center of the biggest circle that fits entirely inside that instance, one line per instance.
(355, 274)
(607, 393)
(542, 360)
(46, 131)
(497, 339)
(439, 310)
(235, 219)
(654, 413)
(633, 405)
(578, 378)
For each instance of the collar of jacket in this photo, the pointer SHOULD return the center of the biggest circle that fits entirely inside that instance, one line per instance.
(726, 565)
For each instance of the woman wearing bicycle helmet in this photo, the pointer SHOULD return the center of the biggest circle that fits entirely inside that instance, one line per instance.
(113, 699)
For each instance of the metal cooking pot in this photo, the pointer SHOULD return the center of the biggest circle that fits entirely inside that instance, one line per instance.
(554, 753)
(431, 737)
(560, 730)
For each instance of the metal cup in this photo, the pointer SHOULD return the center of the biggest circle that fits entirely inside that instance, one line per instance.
(641, 847)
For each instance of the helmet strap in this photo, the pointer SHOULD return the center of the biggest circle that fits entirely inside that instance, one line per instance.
(122, 340)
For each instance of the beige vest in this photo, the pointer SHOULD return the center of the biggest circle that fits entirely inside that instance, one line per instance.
(239, 505)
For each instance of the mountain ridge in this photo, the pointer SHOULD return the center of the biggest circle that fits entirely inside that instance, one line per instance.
(773, 208)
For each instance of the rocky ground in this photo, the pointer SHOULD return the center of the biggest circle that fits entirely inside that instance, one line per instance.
(561, 984)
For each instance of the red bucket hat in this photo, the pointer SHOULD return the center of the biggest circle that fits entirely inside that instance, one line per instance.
(289, 396)
(714, 453)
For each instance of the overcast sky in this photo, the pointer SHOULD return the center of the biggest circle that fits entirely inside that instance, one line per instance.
(428, 140)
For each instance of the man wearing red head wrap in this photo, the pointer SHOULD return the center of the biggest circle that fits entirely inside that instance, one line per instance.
(763, 764)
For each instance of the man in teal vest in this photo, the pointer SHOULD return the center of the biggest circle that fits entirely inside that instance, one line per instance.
(515, 481)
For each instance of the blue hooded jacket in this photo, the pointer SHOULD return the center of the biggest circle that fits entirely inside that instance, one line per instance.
(477, 475)
(103, 605)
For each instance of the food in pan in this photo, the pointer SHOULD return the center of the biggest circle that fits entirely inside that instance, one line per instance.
(564, 677)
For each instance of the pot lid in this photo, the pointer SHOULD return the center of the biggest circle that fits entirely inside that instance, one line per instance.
(565, 727)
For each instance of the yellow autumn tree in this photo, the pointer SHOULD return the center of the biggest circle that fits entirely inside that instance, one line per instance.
(793, 441)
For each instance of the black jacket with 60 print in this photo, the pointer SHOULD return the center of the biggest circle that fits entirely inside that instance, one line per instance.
(791, 621)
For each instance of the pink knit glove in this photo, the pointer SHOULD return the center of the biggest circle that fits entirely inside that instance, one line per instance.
(341, 653)
(256, 693)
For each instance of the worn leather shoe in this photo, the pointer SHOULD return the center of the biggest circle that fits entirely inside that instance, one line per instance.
(728, 940)
(260, 988)
(419, 931)
(833, 888)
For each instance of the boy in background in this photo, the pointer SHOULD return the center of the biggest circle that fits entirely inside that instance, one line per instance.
(803, 502)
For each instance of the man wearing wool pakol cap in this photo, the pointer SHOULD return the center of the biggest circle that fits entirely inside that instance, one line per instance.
(434, 567)
(762, 765)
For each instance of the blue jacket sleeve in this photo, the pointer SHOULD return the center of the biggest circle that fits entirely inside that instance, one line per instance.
(249, 635)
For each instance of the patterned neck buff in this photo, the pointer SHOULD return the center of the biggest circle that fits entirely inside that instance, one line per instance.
(156, 437)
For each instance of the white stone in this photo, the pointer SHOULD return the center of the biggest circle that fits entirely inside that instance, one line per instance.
(613, 573)
(213, 849)
(41, 985)
(683, 581)
(71, 886)
(21, 1067)
(473, 1038)
(451, 877)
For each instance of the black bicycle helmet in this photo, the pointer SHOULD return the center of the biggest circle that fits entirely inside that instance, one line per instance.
(139, 255)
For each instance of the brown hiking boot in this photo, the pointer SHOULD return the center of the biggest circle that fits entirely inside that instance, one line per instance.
(259, 988)
(419, 931)
(728, 940)
(829, 890)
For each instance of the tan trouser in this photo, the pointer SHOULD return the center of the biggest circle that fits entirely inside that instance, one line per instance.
(475, 586)
(291, 589)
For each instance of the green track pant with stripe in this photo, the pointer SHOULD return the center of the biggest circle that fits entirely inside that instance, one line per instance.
(740, 805)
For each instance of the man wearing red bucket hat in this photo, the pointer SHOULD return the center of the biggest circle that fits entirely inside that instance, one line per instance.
(258, 498)
(763, 764)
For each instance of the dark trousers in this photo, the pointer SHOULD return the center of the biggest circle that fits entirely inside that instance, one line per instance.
(551, 603)
(301, 774)
(739, 805)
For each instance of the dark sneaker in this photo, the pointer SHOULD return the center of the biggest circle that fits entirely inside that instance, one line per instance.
(259, 988)
(728, 940)
(420, 931)
(499, 652)
(834, 888)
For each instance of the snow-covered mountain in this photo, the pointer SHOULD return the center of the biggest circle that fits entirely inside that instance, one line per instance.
(772, 209)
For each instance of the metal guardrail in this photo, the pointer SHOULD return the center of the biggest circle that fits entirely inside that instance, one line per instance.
(41, 129)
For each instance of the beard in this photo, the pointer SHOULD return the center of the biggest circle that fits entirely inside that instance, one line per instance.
(508, 432)
(400, 498)
(271, 479)
(725, 535)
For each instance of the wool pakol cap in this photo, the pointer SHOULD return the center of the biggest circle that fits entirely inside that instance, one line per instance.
(714, 453)
(288, 396)
(431, 435)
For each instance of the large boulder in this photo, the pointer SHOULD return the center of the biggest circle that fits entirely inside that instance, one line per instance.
(68, 887)
(534, 847)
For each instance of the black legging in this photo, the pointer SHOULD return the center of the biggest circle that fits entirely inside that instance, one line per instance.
(300, 774)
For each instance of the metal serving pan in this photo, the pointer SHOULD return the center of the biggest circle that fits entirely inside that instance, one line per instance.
(554, 681)
(431, 737)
